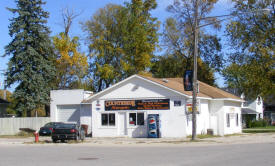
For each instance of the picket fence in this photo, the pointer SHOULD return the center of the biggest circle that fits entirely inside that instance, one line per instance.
(11, 126)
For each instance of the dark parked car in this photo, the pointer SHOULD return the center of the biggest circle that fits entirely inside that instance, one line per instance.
(68, 131)
(47, 129)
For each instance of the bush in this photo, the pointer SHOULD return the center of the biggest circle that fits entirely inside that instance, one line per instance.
(257, 123)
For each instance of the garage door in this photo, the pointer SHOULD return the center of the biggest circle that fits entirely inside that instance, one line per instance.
(68, 113)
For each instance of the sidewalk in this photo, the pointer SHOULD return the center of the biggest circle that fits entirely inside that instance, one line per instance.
(123, 141)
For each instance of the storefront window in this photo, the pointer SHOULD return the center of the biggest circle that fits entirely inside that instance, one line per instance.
(136, 119)
(108, 119)
(132, 119)
(140, 118)
(112, 120)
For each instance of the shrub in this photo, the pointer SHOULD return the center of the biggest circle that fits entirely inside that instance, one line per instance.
(257, 123)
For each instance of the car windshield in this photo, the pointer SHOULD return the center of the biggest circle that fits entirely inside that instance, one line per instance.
(70, 126)
(48, 125)
(52, 124)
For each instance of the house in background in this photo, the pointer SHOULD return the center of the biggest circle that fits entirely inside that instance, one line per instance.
(3, 106)
(252, 109)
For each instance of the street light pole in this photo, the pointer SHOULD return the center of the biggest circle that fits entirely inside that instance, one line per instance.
(194, 97)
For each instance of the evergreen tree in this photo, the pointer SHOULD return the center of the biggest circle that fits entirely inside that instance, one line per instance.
(31, 63)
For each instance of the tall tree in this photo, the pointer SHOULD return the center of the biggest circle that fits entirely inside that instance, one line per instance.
(178, 39)
(31, 63)
(71, 65)
(251, 67)
(105, 42)
(122, 40)
(140, 36)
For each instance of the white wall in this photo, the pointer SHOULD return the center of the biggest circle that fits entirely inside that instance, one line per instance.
(10, 126)
(173, 121)
(64, 97)
(139, 89)
(232, 108)
(216, 116)
(86, 116)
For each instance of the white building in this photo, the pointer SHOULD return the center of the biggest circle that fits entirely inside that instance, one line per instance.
(253, 108)
(123, 109)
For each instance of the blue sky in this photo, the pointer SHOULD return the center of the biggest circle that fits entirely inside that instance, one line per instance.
(88, 8)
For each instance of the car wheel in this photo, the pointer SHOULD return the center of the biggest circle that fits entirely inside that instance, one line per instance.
(54, 140)
(62, 140)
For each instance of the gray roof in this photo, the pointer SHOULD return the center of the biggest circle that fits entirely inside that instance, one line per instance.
(248, 111)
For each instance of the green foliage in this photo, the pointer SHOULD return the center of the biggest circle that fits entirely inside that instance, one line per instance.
(122, 41)
(178, 38)
(252, 62)
(31, 63)
(71, 65)
(257, 123)
(168, 66)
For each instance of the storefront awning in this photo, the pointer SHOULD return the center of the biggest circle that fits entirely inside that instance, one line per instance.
(248, 111)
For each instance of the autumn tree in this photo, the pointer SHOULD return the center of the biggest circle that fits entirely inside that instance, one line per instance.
(121, 41)
(251, 68)
(71, 65)
(30, 66)
(178, 41)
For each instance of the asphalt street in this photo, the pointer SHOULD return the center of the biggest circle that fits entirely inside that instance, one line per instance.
(73, 154)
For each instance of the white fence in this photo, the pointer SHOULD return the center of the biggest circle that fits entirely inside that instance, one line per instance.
(10, 126)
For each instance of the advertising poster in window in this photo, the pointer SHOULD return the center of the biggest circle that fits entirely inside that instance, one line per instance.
(151, 104)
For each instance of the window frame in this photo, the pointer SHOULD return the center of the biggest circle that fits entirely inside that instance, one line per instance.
(237, 119)
(136, 122)
(178, 102)
(228, 119)
(108, 119)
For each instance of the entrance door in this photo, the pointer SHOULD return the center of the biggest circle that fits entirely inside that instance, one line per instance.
(122, 129)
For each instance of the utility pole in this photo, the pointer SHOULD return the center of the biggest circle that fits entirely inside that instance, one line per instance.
(194, 101)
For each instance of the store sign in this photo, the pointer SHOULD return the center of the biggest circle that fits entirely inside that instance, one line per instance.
(189, 107)
(153, 104)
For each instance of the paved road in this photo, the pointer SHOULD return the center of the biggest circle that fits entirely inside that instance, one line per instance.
(175, 155)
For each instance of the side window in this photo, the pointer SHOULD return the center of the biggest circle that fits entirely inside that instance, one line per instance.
(228, 120)
(237, 119)
(108, 119)
(177, 103)
(136, 119)
(104, 119)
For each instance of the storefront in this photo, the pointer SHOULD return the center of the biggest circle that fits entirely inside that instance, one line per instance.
(149, 107)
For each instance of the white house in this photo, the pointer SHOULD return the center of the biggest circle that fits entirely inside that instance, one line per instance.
(253, 108)
(124, 108)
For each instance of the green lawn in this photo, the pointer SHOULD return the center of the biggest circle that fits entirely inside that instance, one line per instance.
(266, 129)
